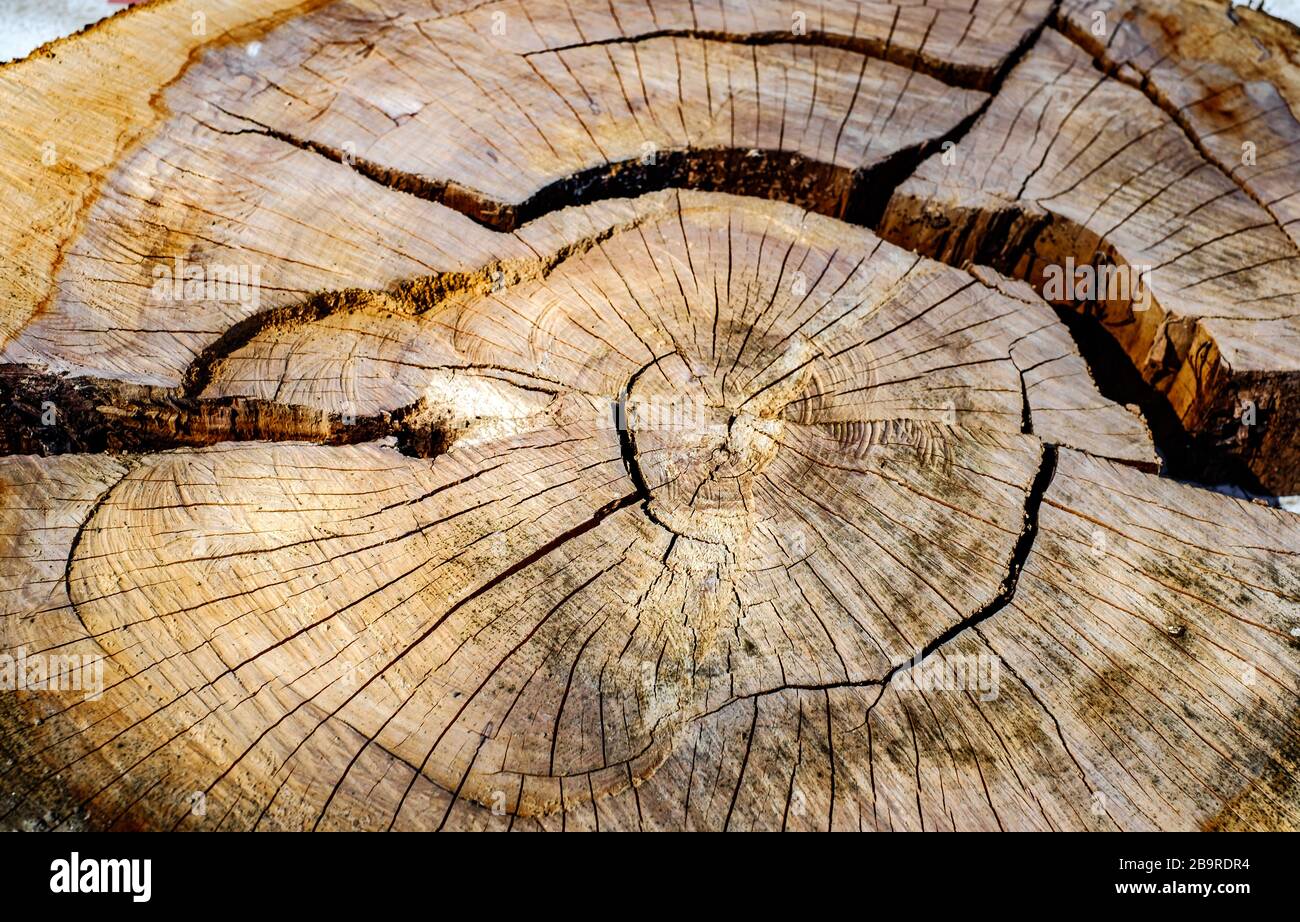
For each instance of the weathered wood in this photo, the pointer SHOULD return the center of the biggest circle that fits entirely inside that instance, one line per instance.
(580, 463)
(241, 130)
(1069, 167)
(1227, 75)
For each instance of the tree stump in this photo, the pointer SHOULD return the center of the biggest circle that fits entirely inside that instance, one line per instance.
(648, 415)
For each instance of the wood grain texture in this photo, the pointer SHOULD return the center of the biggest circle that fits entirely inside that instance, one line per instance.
(580, 459)
(243, 128)
(1228, 76)
(1104, 176)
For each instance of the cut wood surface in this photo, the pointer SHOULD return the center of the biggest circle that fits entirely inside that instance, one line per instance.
(1227, 75)
(1068, 163)
(639, 416)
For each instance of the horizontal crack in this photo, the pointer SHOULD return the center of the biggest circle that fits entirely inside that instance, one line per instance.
(46, 414)
(857, 195)
(417, 296)
(969, 77)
